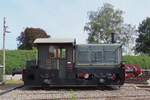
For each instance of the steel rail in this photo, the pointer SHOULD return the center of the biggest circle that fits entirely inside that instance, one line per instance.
(10, 90)
(100, 97)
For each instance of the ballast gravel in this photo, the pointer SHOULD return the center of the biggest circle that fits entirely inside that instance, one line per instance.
(126, 92)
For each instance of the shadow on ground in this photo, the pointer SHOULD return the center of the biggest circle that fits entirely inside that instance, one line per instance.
(102, 88)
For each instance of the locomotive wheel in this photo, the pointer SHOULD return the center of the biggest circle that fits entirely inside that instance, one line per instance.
(117, 86)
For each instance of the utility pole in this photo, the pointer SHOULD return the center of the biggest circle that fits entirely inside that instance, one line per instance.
(4, 35)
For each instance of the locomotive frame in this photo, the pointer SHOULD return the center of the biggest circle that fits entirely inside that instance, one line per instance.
(62, 62)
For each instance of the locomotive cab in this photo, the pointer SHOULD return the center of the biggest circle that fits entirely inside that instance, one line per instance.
(61, 62)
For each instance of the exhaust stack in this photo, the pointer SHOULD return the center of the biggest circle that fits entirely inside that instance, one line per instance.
(113, 38)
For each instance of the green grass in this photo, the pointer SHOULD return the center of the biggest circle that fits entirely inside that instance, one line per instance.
(143, 61)
(73, 95)
(16, 59)
(10, 82)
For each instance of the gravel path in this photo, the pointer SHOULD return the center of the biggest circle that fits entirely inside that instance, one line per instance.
(127, 92)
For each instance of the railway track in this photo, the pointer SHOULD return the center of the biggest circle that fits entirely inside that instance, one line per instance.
(108, 97)
(10, 90)
(143, 87)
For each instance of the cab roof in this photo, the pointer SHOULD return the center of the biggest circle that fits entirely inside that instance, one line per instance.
(53, 40)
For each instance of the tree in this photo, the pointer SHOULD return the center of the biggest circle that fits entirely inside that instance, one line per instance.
(143, 40)
(27, 37)
(102, 23)
(127, 37)
(107, 20)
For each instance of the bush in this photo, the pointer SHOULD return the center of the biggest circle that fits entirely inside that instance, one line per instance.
(16, 59)
(143, 61)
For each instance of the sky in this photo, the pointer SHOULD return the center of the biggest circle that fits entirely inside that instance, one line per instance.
(61, 18)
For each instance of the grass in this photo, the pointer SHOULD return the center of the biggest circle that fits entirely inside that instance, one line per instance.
(143, 61)
(73, 95)
(16, 59)
(11, 82)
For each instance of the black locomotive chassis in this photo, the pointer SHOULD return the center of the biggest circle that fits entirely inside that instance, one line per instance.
(34, 76)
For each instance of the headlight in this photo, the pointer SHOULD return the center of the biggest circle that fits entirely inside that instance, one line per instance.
(101, 80)
(86, 76)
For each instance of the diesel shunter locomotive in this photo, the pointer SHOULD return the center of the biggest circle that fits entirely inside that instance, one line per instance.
(62, 62)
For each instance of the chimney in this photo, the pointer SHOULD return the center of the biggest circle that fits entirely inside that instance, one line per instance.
(113, 38)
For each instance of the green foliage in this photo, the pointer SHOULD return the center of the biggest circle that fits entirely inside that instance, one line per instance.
(143, 40)
(143, 61)
(102, 23)
(73, 95)
(16, 59)
(107, 20)
(27, 37)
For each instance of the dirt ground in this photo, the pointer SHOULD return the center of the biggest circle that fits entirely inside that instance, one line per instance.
(126, 92)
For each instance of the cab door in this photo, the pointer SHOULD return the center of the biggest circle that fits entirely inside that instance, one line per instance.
(62, 62)
(58, 60)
